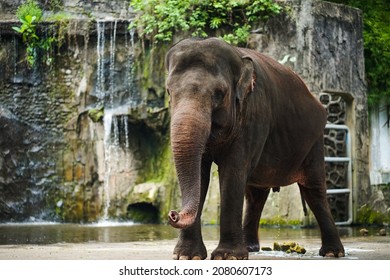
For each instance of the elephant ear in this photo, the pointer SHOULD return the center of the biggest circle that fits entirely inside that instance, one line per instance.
(247, 81)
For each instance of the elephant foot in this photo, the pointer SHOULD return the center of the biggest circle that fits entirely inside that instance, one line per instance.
(253, 247)
(189, 251)
(332, 251)
(230, 253)
(252, 244)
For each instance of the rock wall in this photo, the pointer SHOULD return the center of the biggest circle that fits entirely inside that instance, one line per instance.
(100, 8)
(79, 138)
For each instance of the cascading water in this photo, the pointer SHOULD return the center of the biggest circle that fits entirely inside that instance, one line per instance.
(112, 60)
(57, 161)
(116, 129)
(100, 81)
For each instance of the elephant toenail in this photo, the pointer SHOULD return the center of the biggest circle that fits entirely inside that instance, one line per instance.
(330, 255)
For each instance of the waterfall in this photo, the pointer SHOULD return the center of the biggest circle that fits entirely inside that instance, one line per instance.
(112, 60)
(116, 128)
(117, 159)
(130, 73)
(107, 166)
(125, 122)
(100, 81)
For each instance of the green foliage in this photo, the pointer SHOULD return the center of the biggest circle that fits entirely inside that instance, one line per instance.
(158, 20)
(366, 215)
(29, 36)
(377, 53)
(376, 32)
(54, 5)
(96, 114)
(29, 8)
(29, 14)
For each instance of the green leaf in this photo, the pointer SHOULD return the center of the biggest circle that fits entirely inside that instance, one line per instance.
(215, 23)
(28, 19)
(17, 29)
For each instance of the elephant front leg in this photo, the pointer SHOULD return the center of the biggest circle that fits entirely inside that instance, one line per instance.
(190, 245)
(231, 244)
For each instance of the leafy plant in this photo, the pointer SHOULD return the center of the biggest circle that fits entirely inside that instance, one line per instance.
(29, 14)
(29, 8)
(29, 36)
(158, 20)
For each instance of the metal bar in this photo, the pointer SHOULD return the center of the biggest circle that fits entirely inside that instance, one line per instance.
(338, 191)
(345, 223)
(337, 159)
(348, 160)
(336, 126)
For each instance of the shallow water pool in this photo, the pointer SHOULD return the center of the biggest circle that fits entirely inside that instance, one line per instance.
(113, 232)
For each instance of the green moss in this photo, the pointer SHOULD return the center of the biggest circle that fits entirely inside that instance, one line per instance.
(73, 206)
(150, 73)
(96, 114)
(213, 222)
(366, 215)
(60, 16)
(279, 222)
(150, 143)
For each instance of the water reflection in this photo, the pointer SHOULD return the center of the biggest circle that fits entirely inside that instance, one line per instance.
(51, 233)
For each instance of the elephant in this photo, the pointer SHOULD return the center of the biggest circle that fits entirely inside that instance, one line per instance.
(262, 127)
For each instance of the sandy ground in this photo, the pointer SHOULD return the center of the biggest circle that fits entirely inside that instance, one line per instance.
(361, 248)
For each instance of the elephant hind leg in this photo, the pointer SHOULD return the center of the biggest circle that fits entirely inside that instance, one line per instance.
(313, 190)
(255, 199)
(317, 201)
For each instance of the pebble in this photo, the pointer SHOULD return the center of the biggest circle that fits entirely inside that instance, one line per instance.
(266, 249)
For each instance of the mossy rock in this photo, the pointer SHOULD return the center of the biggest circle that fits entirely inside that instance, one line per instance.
(367, 215)
(96, 114)
(277, 221)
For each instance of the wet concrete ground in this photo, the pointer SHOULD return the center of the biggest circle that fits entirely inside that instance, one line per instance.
(357, 248)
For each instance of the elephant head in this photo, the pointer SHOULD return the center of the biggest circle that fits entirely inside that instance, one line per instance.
(208, 81)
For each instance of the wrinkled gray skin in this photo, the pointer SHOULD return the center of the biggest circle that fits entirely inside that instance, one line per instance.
(259, 123)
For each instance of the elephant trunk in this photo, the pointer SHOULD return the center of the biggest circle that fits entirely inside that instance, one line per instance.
(190, 129)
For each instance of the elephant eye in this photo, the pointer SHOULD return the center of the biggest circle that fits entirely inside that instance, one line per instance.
(218, 96)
